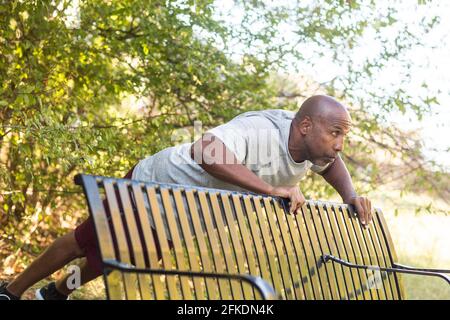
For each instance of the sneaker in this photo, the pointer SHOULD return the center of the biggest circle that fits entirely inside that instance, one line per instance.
(5, 294)
(49, 292)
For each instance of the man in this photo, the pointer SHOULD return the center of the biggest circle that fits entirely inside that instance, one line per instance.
(265, 152)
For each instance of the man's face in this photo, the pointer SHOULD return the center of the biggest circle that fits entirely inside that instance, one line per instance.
(325, 139)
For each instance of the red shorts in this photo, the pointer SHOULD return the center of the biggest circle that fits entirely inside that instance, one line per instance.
(87, 241)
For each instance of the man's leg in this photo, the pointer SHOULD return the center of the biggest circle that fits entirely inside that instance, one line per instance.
(86, 274)
(76, 244)
(85, 237)
(89, 273)
(57, 255)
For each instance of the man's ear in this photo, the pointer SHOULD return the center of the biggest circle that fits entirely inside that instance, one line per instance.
(305, 125)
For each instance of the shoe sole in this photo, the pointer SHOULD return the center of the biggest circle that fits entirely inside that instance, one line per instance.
(39, 295)
(4, 296)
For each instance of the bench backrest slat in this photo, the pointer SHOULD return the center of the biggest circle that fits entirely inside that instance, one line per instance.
(171, 227)
(358, 254)
(390, 255)
(366, 251)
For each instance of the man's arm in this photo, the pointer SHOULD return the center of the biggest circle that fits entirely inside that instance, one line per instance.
(339, 178)
(223, 164)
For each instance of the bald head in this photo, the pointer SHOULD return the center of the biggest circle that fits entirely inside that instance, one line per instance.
(324, 107)
(318, 130)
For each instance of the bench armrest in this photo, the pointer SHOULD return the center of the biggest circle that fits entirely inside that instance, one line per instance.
(402, 266)
(263, 287)
(328, 257)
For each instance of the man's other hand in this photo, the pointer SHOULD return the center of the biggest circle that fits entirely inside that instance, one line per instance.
(363, 208)
(293, 194)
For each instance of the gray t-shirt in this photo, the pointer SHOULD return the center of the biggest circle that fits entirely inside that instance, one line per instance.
(258, 139)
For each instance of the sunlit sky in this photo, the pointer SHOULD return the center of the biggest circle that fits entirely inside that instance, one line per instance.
(430, 64)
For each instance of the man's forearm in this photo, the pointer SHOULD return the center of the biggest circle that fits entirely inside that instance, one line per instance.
(339, 178)
(228, 170)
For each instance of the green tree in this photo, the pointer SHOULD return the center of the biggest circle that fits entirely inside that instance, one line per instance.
(63, 90)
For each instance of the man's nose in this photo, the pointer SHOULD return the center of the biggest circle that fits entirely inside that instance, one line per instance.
(339, 146)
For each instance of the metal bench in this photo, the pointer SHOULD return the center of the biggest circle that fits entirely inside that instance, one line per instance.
(219, 244)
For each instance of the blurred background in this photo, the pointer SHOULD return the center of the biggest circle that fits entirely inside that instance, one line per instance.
(95, 86)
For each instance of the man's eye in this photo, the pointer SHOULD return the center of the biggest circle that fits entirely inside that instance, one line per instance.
(335, 133)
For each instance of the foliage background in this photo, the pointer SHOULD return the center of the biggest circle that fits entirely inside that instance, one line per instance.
(98, 96)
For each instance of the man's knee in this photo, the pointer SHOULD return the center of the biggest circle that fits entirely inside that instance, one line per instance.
(69, 243)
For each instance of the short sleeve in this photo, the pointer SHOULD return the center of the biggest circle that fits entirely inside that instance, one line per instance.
(234, 137)
(243, 135)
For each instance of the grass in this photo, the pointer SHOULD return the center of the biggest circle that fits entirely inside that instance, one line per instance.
(421, 239)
